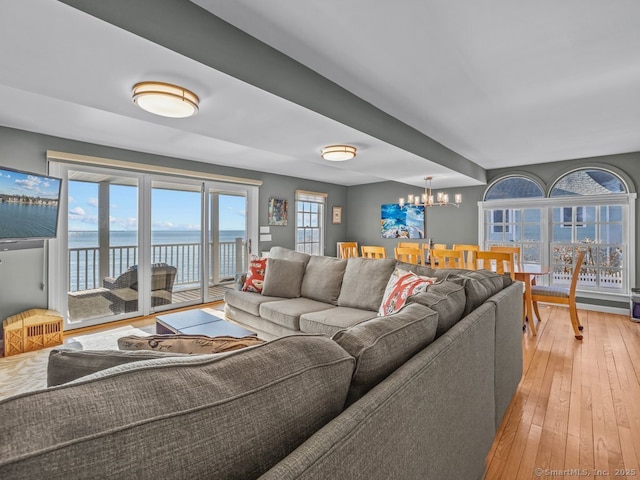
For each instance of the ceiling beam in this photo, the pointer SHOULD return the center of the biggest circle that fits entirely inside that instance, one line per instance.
(194, 32)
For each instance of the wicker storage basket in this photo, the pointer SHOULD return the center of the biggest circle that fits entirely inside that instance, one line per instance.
(32, 329)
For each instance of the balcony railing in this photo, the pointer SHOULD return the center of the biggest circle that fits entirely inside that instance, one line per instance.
(84, 262)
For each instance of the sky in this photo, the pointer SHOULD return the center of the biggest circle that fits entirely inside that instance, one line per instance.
(171, 210)
(16, 183)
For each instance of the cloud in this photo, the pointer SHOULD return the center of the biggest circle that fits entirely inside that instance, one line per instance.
(175, 226)
(77, 211)
(164, 225)
(30, 183)
(93, 202)
(78, 215)
(5, 175)
(123, 223)
(71, 199)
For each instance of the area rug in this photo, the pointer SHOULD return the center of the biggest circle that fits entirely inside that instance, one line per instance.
(28, 371)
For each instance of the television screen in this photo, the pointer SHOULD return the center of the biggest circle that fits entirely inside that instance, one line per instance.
(28, 205)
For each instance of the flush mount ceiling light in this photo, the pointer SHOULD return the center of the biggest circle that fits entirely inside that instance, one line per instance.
(165, 99)
(338, 153)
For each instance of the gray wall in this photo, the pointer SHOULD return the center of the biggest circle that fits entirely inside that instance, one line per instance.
(22, 272)
(450, 225)
(445, 225)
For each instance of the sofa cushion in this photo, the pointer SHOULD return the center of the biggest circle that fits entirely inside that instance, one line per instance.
(446, 298)
(182, 417)
(191, 344)
(254, 280)
(323, 278)
(288, 254)
(364, 282)
(402, 284)
(422, 270)
(247, 301)
(330, 321)
(479, 285)
(382, 344)
(287, 313)
(283, 278)
(66, 365)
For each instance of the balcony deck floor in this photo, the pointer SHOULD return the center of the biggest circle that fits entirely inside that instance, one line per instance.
(88, 304)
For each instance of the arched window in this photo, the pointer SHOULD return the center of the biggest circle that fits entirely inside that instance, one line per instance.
(595, 224)
(587, 182)
(513, 187)
(586, 209)
(519, 226)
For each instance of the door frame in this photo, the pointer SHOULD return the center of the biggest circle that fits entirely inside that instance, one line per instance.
(58, 270)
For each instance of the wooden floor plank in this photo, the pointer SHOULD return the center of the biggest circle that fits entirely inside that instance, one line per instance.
(578, 404)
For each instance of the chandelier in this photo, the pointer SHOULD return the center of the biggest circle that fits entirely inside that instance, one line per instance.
(429, 200)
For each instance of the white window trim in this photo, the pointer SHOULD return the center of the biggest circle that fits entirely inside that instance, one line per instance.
(628, 200)
(314, 197)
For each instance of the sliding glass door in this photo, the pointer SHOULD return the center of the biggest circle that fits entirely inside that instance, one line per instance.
(103, 245)
(133, 243)
(176, 244)
(229, 243)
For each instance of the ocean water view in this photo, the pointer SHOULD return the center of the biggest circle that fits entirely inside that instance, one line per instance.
(18, 220)
(80, 239)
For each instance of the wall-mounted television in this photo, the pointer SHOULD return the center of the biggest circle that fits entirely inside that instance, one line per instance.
(29, 205)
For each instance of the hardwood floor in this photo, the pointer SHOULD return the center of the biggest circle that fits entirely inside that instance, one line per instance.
(577, 408)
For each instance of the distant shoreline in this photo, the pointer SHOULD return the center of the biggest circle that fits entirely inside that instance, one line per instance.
(24, 200)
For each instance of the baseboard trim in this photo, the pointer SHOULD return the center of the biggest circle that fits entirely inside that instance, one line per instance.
(594, 308)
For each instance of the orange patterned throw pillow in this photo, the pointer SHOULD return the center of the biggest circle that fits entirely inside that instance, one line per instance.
(255, 275)
(401, 286)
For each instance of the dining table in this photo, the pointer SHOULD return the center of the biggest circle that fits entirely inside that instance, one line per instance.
(525, 273)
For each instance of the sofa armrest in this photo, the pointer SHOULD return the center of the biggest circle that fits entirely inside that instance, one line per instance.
(109, 282)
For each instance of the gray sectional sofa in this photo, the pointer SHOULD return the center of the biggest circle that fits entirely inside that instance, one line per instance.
(338, 393)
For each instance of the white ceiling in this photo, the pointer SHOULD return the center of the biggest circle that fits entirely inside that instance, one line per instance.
(501, 83)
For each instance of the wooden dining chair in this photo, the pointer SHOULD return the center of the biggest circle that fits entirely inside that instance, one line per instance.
(562, 296)
(369, 251)
(408, 245)
(499, 262)
(443, 258)
(427, 250)
(517, 255)
(517, 262)
(469, 252)
(348, 249)
(409, 255)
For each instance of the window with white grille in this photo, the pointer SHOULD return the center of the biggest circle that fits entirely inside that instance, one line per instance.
(310, 213)
(586, 209)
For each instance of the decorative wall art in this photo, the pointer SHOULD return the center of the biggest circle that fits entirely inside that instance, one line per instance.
(277, 213)
(402, 222)
(336, 215)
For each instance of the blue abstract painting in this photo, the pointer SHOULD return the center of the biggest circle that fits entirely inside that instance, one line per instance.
(402, 222)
